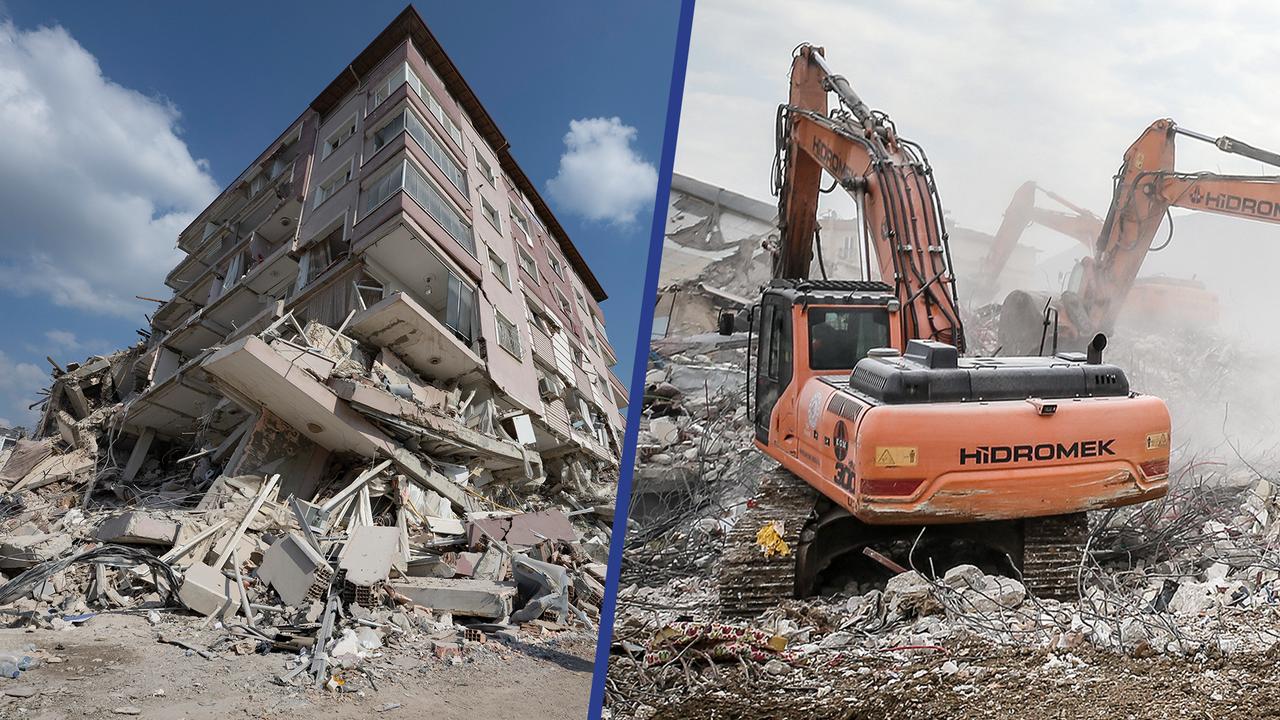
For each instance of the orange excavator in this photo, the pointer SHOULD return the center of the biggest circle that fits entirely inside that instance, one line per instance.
(881, 428)
(1146, 187)
(1156, 301)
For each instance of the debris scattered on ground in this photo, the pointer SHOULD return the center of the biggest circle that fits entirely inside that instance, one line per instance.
(421, 522)
(1190, 582)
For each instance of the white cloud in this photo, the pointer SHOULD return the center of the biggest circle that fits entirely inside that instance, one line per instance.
(62, 339)
(19, 386)
(995, 92)
(95, 182)
(601, 176)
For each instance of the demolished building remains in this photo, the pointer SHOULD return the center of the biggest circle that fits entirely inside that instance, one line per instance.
(378, 399)
(716, 253)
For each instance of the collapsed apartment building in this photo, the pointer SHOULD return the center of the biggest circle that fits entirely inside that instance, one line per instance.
(381, 350)
(716, 254)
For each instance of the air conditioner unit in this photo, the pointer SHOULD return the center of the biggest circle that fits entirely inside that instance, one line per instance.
(550, 387)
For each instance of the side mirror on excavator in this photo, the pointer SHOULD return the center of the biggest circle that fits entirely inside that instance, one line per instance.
(1096, 346)
(726, 321)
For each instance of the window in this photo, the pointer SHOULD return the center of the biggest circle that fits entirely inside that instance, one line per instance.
(591, 340)
(508, 336)
(536, 319)
(555, 264)
(840, 337)
(338, 137)
(460, 313)
(405, 175)
(490, 214)
(257, 184)
(404, 74)
(484, 168)
(527, 264)
(279, 164)
(499, 269)
(582, 303)
(407, 121)
(564, 303)
(335, 183)
(522, 221)
(321, 255)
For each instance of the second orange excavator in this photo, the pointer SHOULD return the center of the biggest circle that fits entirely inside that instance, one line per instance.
(1146, 187)
(1154, 301)
(859, 391)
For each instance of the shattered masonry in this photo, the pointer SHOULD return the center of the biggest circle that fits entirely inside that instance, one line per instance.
(1190, 582)
(379, 399)
(715, 254)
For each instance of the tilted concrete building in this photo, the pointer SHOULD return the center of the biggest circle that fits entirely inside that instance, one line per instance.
(383, 274)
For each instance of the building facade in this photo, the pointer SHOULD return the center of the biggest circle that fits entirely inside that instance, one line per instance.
(391, 219)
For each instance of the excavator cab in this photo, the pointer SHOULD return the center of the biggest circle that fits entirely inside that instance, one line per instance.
(813, 327)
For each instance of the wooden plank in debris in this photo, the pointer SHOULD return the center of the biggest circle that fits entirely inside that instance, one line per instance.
(419, 472)
(268, 489)
(138, 455)
(355, 485)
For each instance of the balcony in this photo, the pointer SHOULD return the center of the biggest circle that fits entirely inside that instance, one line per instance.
(260, 374)
(418, 336)
(620, 395)
(181, 403)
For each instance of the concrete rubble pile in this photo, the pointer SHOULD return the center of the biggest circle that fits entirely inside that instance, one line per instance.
(1191, 578)
(409, 515)
(695, 463)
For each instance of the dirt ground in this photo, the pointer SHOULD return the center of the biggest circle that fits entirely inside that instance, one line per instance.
(114, 667)
(997, 683)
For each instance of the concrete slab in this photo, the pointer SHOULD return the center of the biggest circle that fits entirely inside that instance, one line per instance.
(138, 528)
(291, 567)
(252, 368)
(369, 553)
(424, 343)
(472, 598)
(208, 592)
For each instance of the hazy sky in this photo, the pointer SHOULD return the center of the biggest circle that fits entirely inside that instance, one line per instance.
(996, 92)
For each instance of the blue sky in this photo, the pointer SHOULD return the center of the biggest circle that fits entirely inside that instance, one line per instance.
(197, 91)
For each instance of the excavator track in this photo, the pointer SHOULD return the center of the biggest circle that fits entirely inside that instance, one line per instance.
(750, 581)
(1051, 549)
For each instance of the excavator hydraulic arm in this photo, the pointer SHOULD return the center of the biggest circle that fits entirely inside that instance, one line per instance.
(890, 180)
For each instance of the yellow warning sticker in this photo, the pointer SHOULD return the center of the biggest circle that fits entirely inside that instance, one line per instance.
(1157, 440)
(897, 456)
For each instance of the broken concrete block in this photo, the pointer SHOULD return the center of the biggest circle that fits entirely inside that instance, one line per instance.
(25, 456)
(291, 567)
(443, 526)
(207, 591)
(664, 430)
(23, 551)
(523, 530)
(429, 566)
(446, 650)
(466, 565)
(369, 553)
(472, 598)
(492, 566)
(138, 528)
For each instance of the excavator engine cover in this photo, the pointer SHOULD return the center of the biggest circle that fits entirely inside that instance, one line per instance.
(932, 372)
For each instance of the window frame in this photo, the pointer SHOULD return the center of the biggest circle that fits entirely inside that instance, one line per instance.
(499, 319)
(490, 213)
(350, 171)
(351, 123)
(504, 277)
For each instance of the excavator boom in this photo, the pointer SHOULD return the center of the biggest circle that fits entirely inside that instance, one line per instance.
(889, 179)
